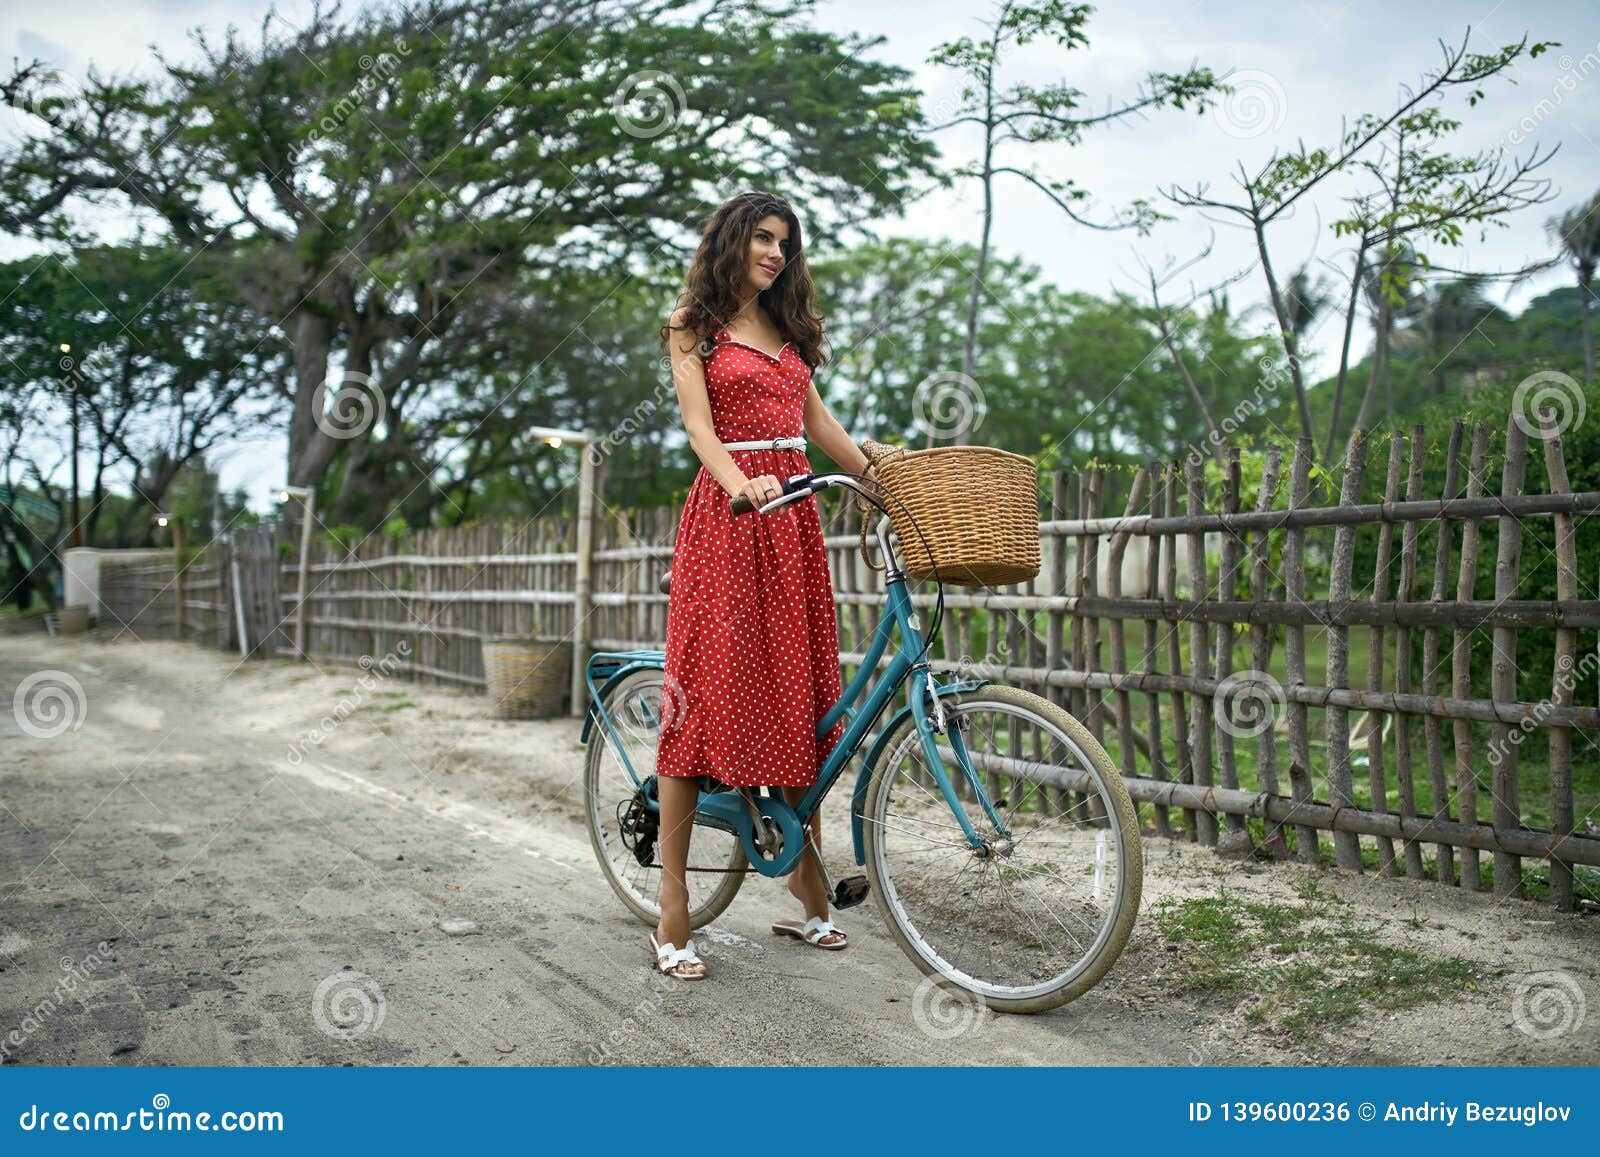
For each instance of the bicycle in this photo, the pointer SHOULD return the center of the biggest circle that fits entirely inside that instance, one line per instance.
(1013, 878)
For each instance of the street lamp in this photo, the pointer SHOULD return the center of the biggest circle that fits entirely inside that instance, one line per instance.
(308, 498)
(581, 581)
(163, 519)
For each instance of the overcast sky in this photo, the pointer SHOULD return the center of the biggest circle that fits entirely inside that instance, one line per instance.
(1300, 67)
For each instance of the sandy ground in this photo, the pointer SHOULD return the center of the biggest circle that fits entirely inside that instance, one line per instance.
(179, 886)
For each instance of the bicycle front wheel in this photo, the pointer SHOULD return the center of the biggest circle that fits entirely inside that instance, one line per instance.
(1042, 914)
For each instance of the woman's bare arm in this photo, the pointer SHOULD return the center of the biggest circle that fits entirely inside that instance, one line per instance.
(824, 429)
(689, 376)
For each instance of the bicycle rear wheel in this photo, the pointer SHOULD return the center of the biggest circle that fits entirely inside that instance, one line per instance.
(1041, 917)
(716, 858)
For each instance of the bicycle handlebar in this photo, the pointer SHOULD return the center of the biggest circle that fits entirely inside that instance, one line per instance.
(798, 486)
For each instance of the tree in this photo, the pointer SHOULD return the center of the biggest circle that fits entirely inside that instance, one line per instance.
(1049, 114)
(368, 180)
(1285, 178)
(1577, 232)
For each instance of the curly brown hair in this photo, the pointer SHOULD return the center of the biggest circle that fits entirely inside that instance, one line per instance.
(710, 290)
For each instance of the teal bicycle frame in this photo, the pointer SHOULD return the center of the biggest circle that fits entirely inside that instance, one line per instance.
(727, 809)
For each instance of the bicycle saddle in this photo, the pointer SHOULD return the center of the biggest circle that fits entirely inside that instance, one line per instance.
(666, 583)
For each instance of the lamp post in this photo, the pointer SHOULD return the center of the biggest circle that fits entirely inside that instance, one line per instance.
(176, 523)
(72, 397)
(308, 499)
(581, 580)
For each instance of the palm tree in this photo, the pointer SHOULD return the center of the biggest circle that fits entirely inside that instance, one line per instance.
(1577, 231)
(1451, 311)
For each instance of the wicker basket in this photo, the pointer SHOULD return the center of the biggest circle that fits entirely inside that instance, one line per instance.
(527, 679)
(976, 507)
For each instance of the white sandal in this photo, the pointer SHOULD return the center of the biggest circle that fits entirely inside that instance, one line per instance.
(669, 957)
(812, 931)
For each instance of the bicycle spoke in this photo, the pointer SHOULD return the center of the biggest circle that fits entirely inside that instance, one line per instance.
(1022, 916)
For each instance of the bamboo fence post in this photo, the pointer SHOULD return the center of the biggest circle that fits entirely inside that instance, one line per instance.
(1119, 649)
(1503, 677)
(1200, 704)
(1237, 838)
(1272, 843)
(1078, 695)
(1563, 679)
(1336, 717)
(1376, 719)
(1094, 717)
(1461, 660)
(1444, 854)
(1169, 594)
(1152, 659)
(1055, 644)
(1404, 773)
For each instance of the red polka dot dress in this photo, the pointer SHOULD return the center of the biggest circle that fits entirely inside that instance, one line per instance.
(752, 637)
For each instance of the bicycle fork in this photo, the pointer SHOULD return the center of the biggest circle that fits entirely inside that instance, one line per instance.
(937, 722)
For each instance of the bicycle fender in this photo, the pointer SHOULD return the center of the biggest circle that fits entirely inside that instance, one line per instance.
(858, 797)
(646, 662)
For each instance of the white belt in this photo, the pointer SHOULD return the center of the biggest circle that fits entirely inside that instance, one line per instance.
(795, 443)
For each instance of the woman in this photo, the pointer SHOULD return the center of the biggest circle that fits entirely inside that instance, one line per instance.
(752, 642)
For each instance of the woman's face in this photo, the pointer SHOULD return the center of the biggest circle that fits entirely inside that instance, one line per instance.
(769, 251)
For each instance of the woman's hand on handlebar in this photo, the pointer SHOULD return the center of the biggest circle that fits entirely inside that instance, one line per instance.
(758, 491)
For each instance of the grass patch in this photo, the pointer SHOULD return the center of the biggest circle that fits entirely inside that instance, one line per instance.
(1297, 968)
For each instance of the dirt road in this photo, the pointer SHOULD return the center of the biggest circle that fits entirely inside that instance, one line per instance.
(187, 877)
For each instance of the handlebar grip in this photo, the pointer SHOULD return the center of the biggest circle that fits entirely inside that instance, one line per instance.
(739, 504)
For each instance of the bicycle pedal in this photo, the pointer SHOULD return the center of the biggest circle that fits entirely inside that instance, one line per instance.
(849, 892)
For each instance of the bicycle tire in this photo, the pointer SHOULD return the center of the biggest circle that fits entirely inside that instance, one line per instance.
(1113, 793)
(600, 804)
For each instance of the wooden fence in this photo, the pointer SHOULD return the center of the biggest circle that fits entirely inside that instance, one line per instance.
(1182, 632)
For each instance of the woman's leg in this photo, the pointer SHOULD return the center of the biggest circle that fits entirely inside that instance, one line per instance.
(678, 795)
(805, 881)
